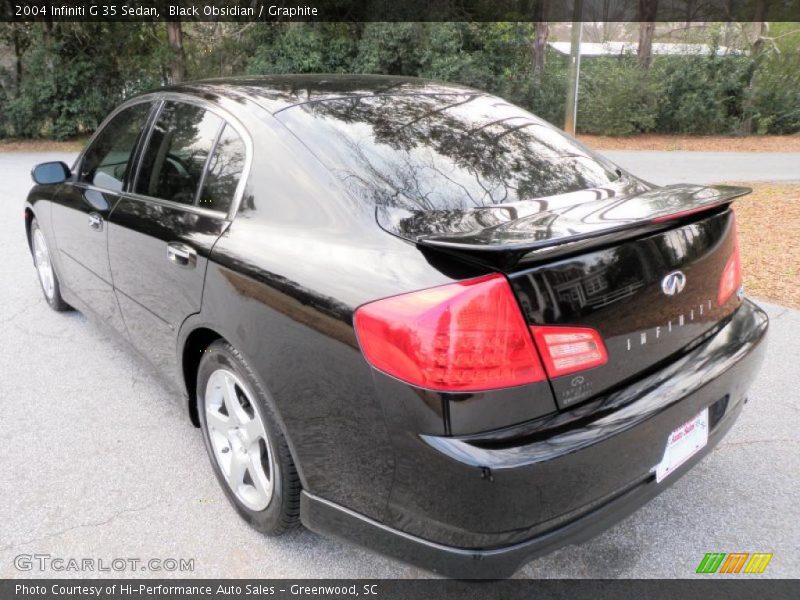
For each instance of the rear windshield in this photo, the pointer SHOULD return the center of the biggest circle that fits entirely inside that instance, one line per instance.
(443, 152)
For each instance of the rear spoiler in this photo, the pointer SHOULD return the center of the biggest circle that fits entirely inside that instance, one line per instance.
(566, 230)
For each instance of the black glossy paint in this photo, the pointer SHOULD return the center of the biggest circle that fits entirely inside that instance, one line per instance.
(281, 276)
(79, 221)
(617, 291)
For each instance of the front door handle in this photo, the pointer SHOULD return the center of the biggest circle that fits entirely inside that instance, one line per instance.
(95, 221)
(182, 255)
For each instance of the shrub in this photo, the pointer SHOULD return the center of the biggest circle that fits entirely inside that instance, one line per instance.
(616, 97)
(776, 93)
(701, 94)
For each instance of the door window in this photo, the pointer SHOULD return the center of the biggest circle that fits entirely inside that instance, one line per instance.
(224, 171)
(176, 155)
(106, 162)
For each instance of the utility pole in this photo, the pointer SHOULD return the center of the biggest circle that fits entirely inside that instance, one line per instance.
(571, 111)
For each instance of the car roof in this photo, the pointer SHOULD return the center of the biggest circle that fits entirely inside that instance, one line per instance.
(278, 92)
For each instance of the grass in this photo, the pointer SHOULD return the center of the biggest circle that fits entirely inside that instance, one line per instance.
(769, 227)
(696, 143)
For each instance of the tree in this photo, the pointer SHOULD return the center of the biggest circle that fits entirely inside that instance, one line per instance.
(177, 64)
(647, 28)
(756, 49)
(539, 49)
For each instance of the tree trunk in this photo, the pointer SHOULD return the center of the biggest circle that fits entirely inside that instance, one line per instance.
(756, 47)
(539, 50)
(573, 76)
(17, 57)
(177, 64)
(647, 28)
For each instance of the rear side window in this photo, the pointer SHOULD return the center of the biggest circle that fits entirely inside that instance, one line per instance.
(224, 171)
(106, 162)
(175, 158)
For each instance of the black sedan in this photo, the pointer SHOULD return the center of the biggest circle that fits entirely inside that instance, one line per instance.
(406, 313)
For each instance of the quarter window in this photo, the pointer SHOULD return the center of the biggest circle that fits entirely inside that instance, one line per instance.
(105, 163)
(176, 155)
(224, 171)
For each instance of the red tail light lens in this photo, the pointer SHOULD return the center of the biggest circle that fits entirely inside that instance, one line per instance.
(566, 350)
(461, 337)
(731, 279)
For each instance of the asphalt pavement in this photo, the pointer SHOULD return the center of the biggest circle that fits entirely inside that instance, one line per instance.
(100, 462)
(663, 167)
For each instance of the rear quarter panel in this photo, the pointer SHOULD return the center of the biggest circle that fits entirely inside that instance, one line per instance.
(281, 286)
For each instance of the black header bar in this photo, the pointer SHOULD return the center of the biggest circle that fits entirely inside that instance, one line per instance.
(399, 10)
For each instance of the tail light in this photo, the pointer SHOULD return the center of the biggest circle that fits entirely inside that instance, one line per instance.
(566, 350)
(731, 279)
(460, 337)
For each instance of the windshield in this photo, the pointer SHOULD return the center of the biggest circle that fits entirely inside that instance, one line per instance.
(445, 152)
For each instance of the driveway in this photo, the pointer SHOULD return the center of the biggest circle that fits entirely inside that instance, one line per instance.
(708, 167)
(100, 462)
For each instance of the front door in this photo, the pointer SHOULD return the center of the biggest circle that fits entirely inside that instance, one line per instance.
(81, 208)
(162, 231)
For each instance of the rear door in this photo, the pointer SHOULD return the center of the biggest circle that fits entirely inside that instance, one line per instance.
(81, 209)
(163, 229)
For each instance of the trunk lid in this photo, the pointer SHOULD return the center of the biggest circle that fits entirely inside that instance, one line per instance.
(650, 299)
(644, 270)
(534, 230)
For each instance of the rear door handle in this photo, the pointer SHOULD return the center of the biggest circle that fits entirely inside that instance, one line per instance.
(181, 255)
(95, 221)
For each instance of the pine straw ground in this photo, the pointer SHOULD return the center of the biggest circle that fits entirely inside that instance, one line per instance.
(769, 230)
(648, 141)
(695, 143)
(18, 145)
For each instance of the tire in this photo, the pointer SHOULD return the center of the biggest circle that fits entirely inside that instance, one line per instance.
(248, 452)
(48, 278)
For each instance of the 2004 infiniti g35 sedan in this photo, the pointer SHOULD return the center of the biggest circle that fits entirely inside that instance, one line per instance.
(406, 313)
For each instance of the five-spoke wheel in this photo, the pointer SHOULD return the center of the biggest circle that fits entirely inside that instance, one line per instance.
(45, 269)
(43, 265)
(239, 439)
(245, 442)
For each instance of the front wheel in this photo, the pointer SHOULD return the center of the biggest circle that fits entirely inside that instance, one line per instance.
(248, 451)
(44, 268)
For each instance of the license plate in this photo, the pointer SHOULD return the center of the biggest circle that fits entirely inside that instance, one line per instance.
(683, 443)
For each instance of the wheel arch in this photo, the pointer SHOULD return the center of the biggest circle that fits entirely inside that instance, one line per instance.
(29, 217)
(194, 339)
(195, 343)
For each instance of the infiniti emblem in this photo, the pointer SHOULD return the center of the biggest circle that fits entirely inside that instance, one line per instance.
(673, 283)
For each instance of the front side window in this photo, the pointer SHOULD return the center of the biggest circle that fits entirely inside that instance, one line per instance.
(106, 162)
(176, 154)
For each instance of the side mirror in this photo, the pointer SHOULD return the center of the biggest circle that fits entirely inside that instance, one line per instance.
(50, 172)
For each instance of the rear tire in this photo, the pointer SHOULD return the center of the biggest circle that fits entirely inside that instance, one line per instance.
(247, 448)
(48, 279)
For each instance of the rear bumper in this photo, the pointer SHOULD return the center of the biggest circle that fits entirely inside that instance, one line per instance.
(482, 506)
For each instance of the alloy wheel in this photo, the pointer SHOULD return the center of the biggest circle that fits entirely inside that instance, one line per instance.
(44, 267)
(239, 439)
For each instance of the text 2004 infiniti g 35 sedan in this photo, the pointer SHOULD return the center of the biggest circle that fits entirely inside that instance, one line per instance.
(405, 313)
